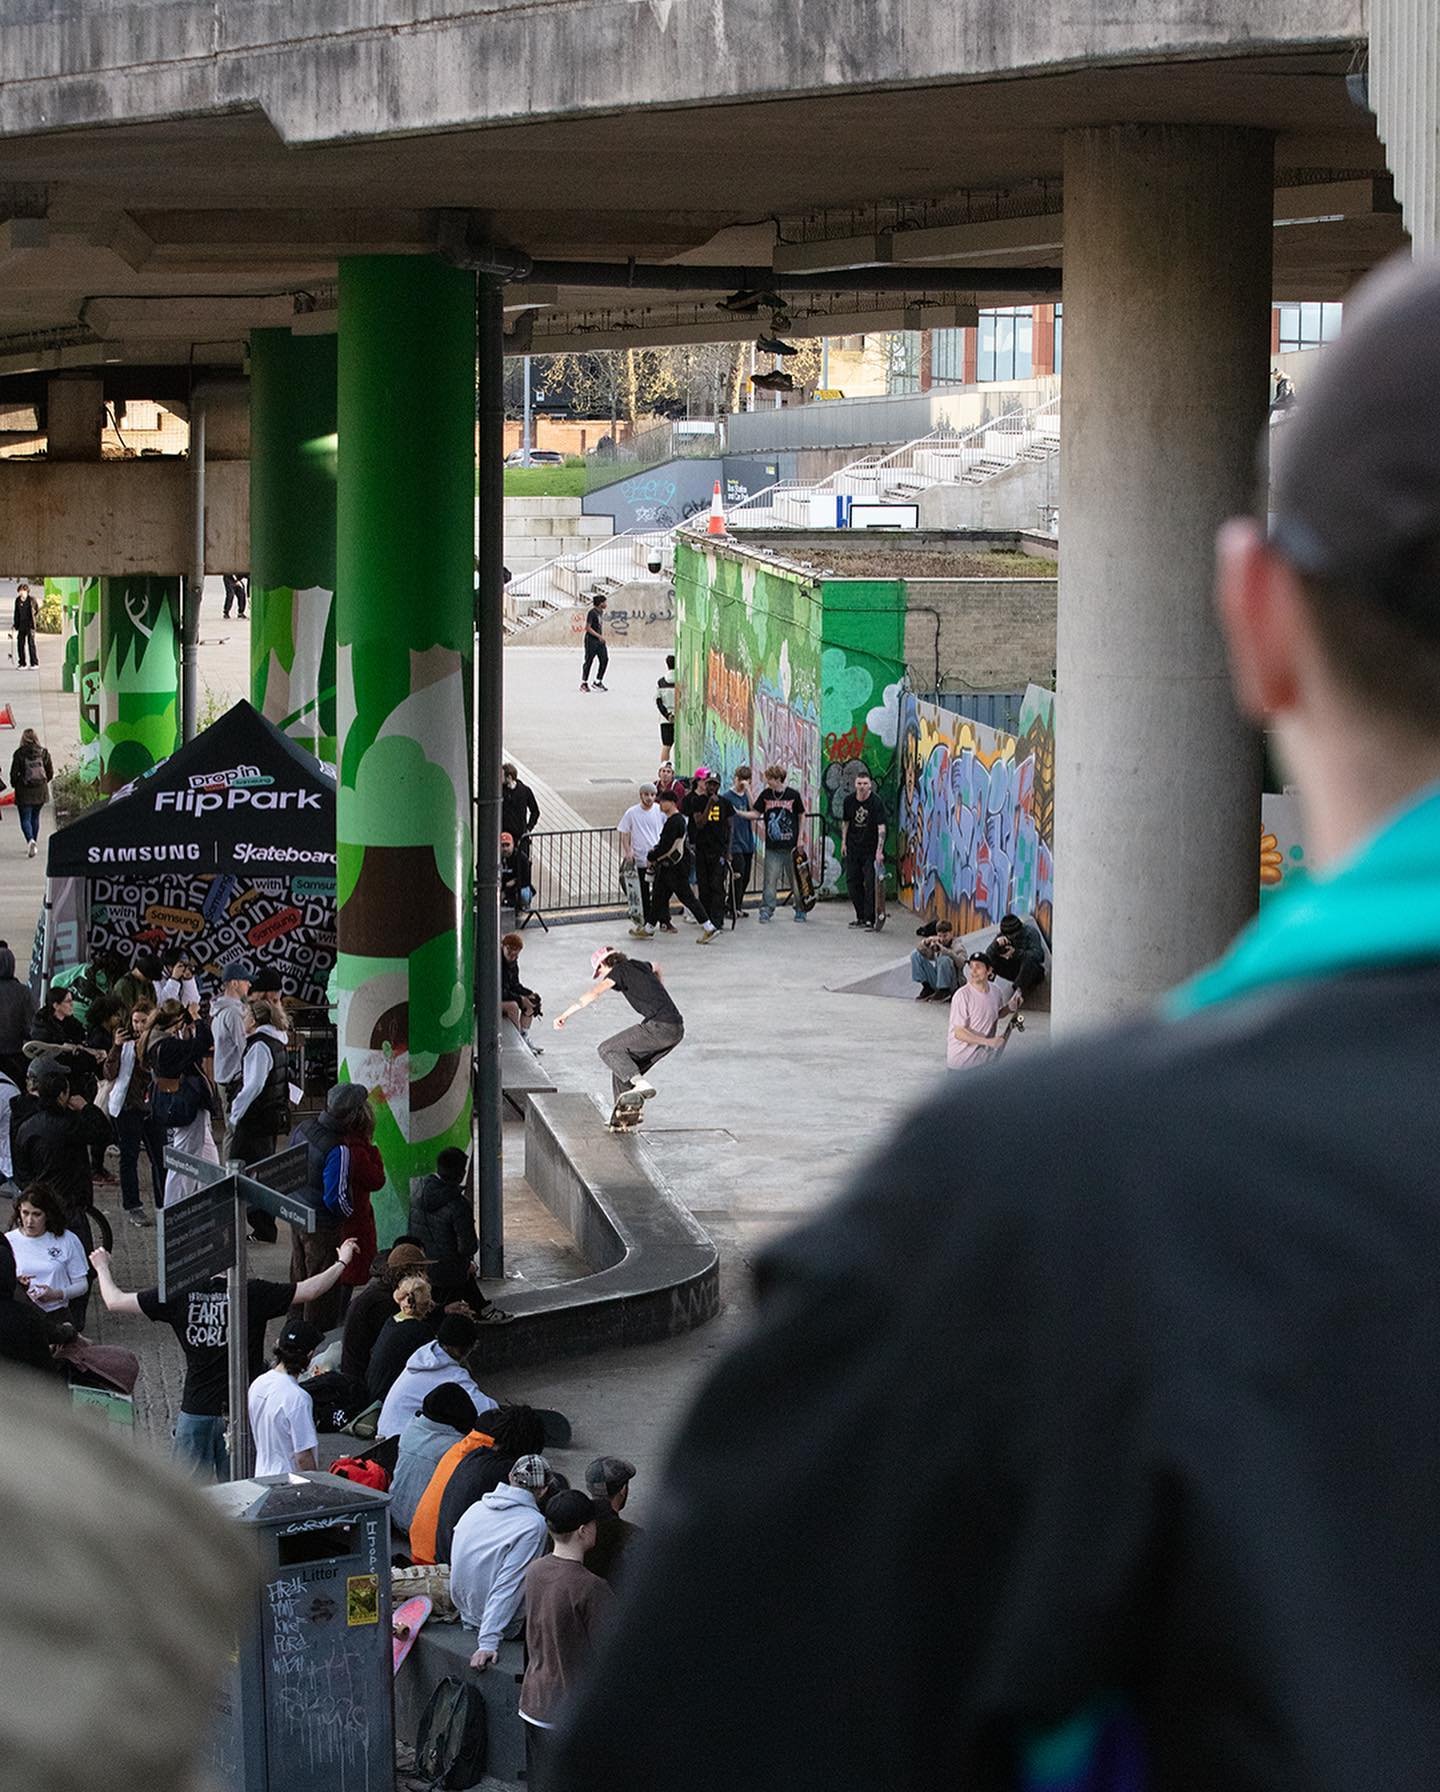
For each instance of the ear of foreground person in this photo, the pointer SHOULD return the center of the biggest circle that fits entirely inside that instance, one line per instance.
(1099, 1452)
(122, 1591)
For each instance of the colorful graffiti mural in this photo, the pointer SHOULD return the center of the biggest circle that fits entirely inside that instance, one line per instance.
(977, 809)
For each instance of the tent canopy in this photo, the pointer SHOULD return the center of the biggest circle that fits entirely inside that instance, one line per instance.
(241, 798)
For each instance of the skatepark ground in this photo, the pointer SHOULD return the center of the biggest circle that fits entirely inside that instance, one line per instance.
(783, 1084)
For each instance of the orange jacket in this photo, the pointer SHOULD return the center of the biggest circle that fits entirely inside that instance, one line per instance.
(427, 1513)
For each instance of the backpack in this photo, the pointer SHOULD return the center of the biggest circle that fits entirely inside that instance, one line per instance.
(32, 766)
(363, 1470)
(453, 1738)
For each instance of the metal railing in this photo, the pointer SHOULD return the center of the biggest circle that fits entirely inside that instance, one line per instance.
(571, 579)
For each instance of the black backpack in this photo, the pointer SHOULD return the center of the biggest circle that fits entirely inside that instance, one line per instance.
(453, 1738)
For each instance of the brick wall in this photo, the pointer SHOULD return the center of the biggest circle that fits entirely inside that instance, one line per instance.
(995, 634)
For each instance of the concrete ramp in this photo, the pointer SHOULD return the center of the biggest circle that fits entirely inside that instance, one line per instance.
(892, 979)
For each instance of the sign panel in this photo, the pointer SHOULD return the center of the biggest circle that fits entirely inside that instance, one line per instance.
(200, 1169)
(294, 1208)
(278, 1185)
(286, 1172)
(196, 1235)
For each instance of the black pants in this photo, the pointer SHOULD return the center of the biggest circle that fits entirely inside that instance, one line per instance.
(138, 1132)
(712, 881)
(740, 866)
(637, 1049)
(234, 593)
(670, 880)
(667, 735)
(539, 1750)
(23, 636)
(598, 655)
(860, 882)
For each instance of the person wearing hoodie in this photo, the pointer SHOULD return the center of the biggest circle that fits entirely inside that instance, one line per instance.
(495, 1542)
(445, 1411)
(343, 1171)
(440, 1360)
(17, 1014)
(260, 1112)
(442, 1219)
(227, 1027)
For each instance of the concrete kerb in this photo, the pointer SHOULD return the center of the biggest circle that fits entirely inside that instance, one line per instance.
(656, 1271)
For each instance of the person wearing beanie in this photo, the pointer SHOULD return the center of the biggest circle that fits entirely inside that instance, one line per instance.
(447, 1414)
(440, 1360)
(282, 1417)
(442, 1218)
(495, 1542)
(1187, 1350)
(566, 1604)
(227, 1027)
(1017, 954)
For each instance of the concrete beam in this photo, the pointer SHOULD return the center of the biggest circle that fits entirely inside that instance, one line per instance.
(984, 240)
(833, 253)
(187, 318)
(569, 335)
(74, 418)
(119, 516)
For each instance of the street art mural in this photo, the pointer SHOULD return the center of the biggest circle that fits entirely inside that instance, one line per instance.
(862, 675)
(139, 674)
(748, 667)
(977, 810)
(87, 678)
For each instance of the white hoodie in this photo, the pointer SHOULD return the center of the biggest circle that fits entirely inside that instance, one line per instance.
(494, 1543)
(427, 1368)
(227, 1026)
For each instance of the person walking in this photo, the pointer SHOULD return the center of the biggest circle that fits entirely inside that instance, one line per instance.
(31, 774)
(237, 592)
(667, 859)
(597, 654)
(742, 838)
(630, 1055)
(780, 810)
(862, 847)
(1177, 1528)
(129, 1107)
(24, 627)
(665, 697)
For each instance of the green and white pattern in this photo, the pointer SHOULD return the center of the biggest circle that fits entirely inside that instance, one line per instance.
(66, 593)
(292, 535)
(87, 678)
(404, 627)
(139, 676)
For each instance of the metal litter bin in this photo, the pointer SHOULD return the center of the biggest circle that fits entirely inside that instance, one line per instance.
(308, 1704)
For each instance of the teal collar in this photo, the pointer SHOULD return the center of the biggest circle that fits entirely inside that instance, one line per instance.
(1380, 906)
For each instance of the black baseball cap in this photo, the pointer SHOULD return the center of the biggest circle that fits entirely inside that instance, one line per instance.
(567, 1510)
(1355, 468)
(300, 1336)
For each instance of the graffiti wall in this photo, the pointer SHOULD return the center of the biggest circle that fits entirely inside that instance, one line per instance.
(862, 676)
(977, 810)
(748, 666)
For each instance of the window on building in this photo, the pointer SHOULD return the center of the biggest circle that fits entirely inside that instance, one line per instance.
(1059, 336)
(902, 361)
(947, 357)
(1004, 345)
(1308, 325)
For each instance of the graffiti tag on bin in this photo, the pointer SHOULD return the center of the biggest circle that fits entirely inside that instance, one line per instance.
(283, 921)
(174, 920)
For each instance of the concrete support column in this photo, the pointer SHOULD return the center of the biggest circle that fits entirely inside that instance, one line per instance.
(139, 720)
(404, 655)
(74, 418)
(66, 593)
(1167, 315)
(292, 535)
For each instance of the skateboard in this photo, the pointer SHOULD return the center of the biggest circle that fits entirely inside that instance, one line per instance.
(1014, 1025)
(626, 1115)
(804, 883)
(879, 894)
(405, 1624)
(630, 882)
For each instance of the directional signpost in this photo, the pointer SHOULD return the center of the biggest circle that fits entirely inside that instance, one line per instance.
(205, 1233)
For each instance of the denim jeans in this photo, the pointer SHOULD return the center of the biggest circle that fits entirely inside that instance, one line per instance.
(779, 867)
(935, 973)
(200, 1446)
(29, 814)
(138, 1132)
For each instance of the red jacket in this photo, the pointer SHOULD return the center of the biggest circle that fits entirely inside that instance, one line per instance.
(367, 1173)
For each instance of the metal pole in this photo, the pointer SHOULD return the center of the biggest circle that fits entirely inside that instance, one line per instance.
(195, 583)
(47, 941)
(824, 363)
(489, 716)
(526, 440)
(242, 1460)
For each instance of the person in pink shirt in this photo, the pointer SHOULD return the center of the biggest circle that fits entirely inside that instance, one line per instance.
(974, 1017)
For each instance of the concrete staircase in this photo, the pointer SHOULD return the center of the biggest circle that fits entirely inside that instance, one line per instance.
(541, 529)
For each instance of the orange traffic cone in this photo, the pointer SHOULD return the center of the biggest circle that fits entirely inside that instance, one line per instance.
(716, 525)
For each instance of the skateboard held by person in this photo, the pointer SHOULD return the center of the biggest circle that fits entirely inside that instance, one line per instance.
(804, 882)
(879, 894)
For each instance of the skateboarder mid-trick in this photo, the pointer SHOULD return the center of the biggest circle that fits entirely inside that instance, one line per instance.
(632, 1054)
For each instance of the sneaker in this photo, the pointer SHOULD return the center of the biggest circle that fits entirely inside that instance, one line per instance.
(772, 345)
(705, 935)
(800, 915)
(31, 853)
(764, 914)
(597, 686)
(923, 994)
(138, 1218)
(583, 685)
(641, 933)
(666, 927)
(492, 1315)
(855, 923)
(103, 1178)
(639, 1086)
(777, 380)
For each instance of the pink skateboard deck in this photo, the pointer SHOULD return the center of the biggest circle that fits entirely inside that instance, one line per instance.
(405, 1624)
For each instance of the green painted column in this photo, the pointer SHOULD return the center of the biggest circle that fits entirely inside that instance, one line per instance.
(139, 722)
(66, 593)
(404, 635)
(87, 677)
(292, 535)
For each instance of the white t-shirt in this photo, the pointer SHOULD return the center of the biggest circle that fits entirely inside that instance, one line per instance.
(282, 1422)
(50, 1262)
(643, 826)
(170, 989)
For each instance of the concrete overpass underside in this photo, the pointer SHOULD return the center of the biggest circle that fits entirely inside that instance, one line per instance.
(303, 194)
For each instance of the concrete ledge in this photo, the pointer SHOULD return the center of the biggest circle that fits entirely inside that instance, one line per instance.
(521, 1073)
(445, 1649)
(656, 1271)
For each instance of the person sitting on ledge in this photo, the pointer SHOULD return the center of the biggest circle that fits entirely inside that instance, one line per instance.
(1017, 955)
(933, 965)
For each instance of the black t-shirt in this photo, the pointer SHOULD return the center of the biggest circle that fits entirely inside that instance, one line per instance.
(672, 834)
(709, 823)
(781, 812)
(595, 624)
(865, 821)
(643, 990)
(370, 1308)
(201, 1321)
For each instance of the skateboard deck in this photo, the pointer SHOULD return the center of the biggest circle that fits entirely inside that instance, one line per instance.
(405, 1626)
(626, 1115)
(879, 895)
(630, 882)
(804, 882)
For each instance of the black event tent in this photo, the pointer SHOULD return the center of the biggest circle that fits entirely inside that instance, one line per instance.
(227, 848)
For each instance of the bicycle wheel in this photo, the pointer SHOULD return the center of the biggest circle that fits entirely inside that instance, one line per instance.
(104, 1233)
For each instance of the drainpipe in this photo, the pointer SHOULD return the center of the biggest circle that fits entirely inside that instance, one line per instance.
(195, 582)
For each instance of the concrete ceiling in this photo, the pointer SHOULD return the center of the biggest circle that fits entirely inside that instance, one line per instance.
(162, 239)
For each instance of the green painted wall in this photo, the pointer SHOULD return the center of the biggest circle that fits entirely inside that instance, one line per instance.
(87, 678)
(66, 592)
(293, 407)
(862, 668)
(404, 658)
(139, 723)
